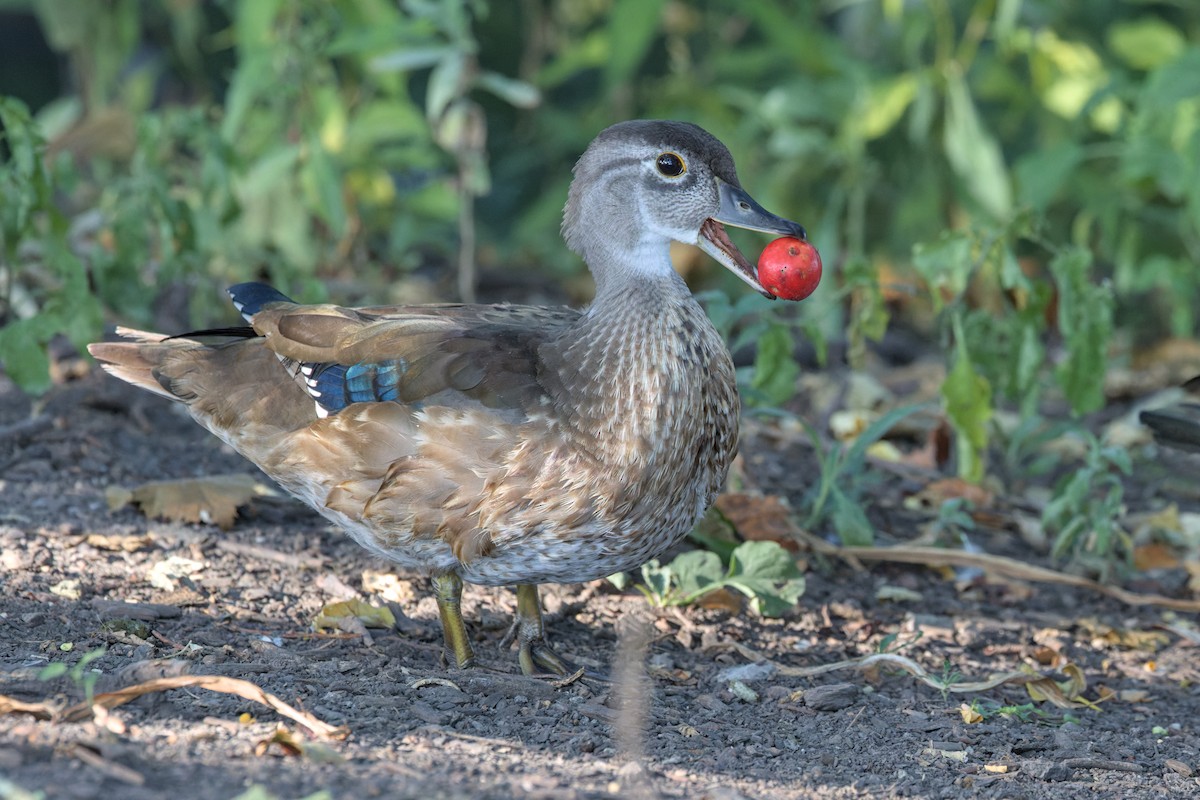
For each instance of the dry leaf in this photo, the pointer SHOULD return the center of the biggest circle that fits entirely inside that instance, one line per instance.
(213, 500)
(292, 745)
(999, 769)
(1150, 641)
(1155, 555)
(969, 714)
(1047, 656)
(721, 600)
(11, 705)
(1064, 694)
(335, 615)
(127, 543)
(68, 588)
(937, 493)
(164, 573)
(760, 518)
(1133, 695)
(949, 755)
(388, 586)
(897, 594)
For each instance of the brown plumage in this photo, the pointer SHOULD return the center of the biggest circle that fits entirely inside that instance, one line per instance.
(501, 444)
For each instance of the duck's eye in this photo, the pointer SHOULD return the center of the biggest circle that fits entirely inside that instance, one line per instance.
(670, 164)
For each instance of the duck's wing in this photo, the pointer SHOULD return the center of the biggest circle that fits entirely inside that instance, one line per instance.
(446, 355)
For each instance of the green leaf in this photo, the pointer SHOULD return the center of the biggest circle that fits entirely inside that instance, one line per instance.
(767, 574)
(945, 265)
(327, 183)
(973, 152)
(55, 669)
(887, 103)
(444, 84)
(850, 520)
(411, 58)
(23, 353)
(1146, 43)
(775, 369)
(1041, 174)
(696, 573)
(632, 26)
(968, 400)
(512, 91)
(657, 579)
(1085, 319)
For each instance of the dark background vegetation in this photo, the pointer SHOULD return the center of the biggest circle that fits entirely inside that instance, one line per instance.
(1015, 181)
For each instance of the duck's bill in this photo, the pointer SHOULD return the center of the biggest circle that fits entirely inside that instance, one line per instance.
(741, 210)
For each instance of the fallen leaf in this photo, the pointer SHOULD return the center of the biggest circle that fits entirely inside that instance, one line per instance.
(1133, 695)
(332, 616)
(897, 594)
(1047, 656)
(11, 705)
(721, 600)
(949, 755)
(999, 769)
(164, 573)
(292, 745)
(969, 714)
(388, 586)
(68, 588)
(1064, 694)
(935, 494)
(759, 518)
(1155, 555)
(127, 543)
(212, 500)
(1150, 641)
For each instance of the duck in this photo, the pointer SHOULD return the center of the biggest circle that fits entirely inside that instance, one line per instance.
(500, 445)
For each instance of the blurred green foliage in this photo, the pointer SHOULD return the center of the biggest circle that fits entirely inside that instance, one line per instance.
(1019, 170)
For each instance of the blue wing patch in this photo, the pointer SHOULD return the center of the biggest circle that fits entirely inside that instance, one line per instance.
(335, 386)
(249, 298)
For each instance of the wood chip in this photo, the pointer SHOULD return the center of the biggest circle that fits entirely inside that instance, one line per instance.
(832, 697)
(147, 612)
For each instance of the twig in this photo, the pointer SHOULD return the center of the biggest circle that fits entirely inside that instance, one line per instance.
(1000, 565)
(214, 683)
(269, 554)
(26, 428)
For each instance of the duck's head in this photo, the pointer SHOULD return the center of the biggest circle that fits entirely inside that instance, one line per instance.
(644, 183)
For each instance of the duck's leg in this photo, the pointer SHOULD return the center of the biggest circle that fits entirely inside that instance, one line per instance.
(448, 590)
(534, 652)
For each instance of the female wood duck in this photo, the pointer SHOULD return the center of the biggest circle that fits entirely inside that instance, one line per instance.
(501, 444)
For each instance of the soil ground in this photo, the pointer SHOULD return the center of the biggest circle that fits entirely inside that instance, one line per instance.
(675, 730)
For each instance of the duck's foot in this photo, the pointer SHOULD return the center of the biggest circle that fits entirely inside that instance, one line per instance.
(457, 649)
(528, 630)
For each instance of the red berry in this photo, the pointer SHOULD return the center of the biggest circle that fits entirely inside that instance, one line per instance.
(789, 268)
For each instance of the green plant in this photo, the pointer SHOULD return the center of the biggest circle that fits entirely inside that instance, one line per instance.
(772, 329)
(1025, 712)
(1084, 512)
(762, 571)
(835, 496)
(949, 677)
(79, 673)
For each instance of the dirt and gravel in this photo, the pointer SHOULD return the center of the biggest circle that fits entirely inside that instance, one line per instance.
(669, 722)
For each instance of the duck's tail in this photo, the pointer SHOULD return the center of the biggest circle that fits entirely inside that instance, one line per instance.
(138, 362)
